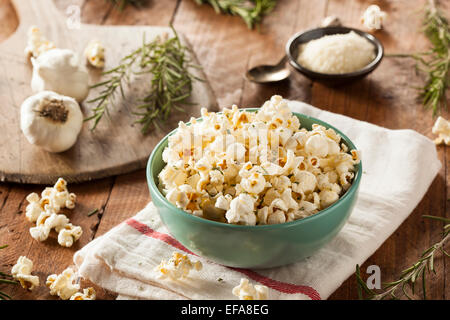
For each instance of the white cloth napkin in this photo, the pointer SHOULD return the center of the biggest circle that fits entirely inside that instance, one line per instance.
(398, 168)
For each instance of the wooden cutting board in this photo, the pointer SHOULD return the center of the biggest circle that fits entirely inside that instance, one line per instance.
(117, 145)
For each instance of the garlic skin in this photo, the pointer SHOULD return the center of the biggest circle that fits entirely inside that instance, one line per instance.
(51, 121)
(58, 70)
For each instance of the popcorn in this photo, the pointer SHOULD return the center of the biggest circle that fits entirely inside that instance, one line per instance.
(57, 221)
(21, 271)
(69, 234)
(328, 197)
(40, 233)
(37, 44)
(373, 17)
(254, 184)
(63, 285)
(95, 54)
(246, 291)
(33, 209)
(88, 294)
(177, 267)
(236, 151)
(44, 211)
(442, 129)
(276, 217)
(242, 210)
(305, 182)
(255, 167)
(223, 202)
(317, 145)
(59, 196)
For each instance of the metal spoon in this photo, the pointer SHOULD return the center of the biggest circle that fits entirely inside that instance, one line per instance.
(279, 72)
(267, 74)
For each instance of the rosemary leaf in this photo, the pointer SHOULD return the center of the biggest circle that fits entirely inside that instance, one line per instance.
(408, 276)
(436, 62)
(4, 296)
(252, 12)
(168, 64)
(121, 4)
(92, 212)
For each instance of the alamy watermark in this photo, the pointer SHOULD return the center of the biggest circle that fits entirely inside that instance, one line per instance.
(374, 280)
(73, 13)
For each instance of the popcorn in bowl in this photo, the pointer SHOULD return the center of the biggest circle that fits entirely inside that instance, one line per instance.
(255, 168)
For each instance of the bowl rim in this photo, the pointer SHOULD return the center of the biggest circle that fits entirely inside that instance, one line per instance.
(153, 186)
(330, 76)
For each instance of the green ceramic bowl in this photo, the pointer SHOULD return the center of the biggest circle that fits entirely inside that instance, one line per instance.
(253, 246)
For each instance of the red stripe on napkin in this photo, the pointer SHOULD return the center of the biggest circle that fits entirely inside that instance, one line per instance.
(283, 287)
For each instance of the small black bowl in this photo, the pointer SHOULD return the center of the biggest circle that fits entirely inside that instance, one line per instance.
(292, 50)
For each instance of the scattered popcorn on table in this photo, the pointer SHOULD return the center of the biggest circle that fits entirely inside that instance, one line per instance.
(442, 129)
(177, 267)
(59, 196)
(63, 285)
(373, 18)
(44, 212)
(22, 271)
(68, 234)
(255, 168)
(88, 294)
(95, 54)
(33, 209)
(246, 291)
(37, 43)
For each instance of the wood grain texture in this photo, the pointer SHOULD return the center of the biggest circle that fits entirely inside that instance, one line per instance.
(385, 98)
(117, 146)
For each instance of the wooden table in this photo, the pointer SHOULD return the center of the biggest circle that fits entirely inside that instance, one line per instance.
(226, 48)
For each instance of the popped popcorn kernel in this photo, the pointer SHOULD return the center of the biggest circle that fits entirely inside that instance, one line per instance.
(179, 266)
(95, 54)
(37, 43)
(21, 271)
(87, 294)
(246, 291)
(442, 129)
(63, 285)
(373, 18)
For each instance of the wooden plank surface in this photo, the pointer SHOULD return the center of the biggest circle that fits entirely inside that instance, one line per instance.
(226, 48)
(117, 145)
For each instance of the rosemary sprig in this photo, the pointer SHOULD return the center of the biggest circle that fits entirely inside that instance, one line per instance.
(167, 62)
(437, 30)
(251, 12)
(6, 279)
(410, 276)
(435, 62)
(92, 212)
(121, 4)
(118, 77)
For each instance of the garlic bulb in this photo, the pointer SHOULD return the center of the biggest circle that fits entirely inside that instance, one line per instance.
(51, 121)
(58, 70)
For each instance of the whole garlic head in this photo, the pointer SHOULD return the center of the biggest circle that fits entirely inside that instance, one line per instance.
(51, 121)
(58, 70)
